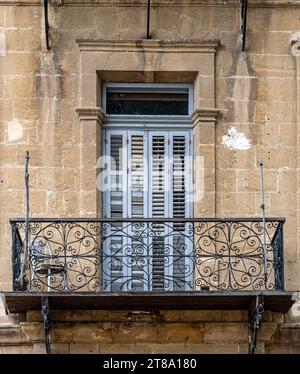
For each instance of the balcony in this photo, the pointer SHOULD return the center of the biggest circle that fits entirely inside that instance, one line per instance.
(147, 263)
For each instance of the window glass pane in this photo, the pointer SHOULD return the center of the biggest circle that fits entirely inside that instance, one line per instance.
(147, 103)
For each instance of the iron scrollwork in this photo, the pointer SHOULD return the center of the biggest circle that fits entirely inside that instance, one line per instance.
(148, 255)
(17, 253)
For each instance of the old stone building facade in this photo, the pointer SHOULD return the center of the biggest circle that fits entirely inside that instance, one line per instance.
(245, 108)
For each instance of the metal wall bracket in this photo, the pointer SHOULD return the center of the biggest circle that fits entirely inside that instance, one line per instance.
(46, 319)
(256, 311)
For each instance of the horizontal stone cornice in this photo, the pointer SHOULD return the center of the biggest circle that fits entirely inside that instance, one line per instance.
(145, 45)
(157, 3)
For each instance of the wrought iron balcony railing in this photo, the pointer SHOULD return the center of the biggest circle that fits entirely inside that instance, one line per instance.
(154, 255)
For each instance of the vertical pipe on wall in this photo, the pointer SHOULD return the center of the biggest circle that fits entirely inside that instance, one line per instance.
(264, 222)
(148, 19)
(46, 24)
(244, 12)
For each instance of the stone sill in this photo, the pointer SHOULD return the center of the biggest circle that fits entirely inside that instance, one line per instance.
(21, 302)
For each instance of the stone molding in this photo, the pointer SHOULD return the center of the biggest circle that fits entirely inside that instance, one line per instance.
(91, 114)
(156, 3)
(295, 51)
(168, 57)
(99, 56)
(205, 115)
(144, 45)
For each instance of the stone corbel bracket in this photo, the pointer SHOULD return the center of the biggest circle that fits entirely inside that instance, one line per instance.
(90, 114)
(205, 115)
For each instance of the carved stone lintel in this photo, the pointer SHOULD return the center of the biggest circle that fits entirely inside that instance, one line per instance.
(205, 115)
(255, 319)
(91, 114)
(295, 44)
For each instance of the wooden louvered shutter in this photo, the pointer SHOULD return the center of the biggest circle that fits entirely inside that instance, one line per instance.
(137, 176)
(157, 192)
(115, 199)
(137, 208)
(180, 146)
(159, 174)
(115, 206)
(158, 197)
(180, 242)
(155, 189)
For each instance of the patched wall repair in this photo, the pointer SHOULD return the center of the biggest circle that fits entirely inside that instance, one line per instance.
(235, 140)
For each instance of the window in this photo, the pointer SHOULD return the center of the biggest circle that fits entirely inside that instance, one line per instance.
(149, 176)
(147, 99)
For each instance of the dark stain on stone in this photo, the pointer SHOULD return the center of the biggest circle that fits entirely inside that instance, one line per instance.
(49, 78)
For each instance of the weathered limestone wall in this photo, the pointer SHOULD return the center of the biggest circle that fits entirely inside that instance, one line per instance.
(141, 332)
(255, 91)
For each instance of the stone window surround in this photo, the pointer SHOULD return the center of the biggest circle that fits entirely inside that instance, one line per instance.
(148, 61)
